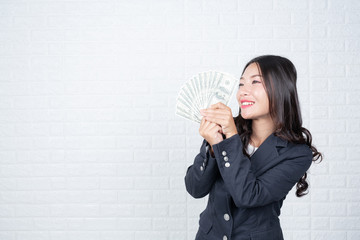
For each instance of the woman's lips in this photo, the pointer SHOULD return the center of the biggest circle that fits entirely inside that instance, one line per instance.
(246, 104)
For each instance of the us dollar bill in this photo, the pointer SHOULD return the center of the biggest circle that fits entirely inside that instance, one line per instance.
(203, 90)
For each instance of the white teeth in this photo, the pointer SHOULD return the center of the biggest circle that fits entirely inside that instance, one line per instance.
(247, 103)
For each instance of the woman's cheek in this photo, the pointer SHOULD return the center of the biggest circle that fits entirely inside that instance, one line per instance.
(238, 97)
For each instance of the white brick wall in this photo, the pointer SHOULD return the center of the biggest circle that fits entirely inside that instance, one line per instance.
(90, 147)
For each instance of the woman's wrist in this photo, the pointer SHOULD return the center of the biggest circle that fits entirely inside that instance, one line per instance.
(212, 152)
(229, 135)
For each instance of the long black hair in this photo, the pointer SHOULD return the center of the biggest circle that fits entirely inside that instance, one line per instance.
(279, 75)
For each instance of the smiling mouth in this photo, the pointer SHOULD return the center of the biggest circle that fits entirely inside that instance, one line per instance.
(247, 104)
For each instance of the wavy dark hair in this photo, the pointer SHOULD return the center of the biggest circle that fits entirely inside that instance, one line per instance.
(279, 79)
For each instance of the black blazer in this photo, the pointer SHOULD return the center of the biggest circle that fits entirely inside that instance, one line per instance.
(245, 195)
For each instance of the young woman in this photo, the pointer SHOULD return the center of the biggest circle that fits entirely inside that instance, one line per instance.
(249, 163)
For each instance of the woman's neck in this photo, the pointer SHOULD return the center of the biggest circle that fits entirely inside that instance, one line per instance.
(261, 129)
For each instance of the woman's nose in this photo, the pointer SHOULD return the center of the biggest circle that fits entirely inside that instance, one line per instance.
(244, 90)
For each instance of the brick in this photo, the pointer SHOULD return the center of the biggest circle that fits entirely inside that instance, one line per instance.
(300, 18)
(34, 235)
(318, 5)
(113, 235)
(176, 155)
(300, 45)
(349, 31)
(353, 209)
(142, 169)
(169, 223)
(174, 168)
(302, 209)
(177, 183)
(220, 6)
(169, 196)
(296, 223)
(237, 46)
(150, 235)
(16, 224)
(151, 210)
(151, 155)
(249, 32)
(326, 235)
(181, 235)
(344, 195)
(298, 235)
(330, 17)
(133, 142)
(116, 183)
(276, 45)
(160, 142)
(93, 224)
(176, 128)
(177, 210)
(353, 235)
(329, 209)
(134, 196)
(328, 71)
(321, 168)
(349, 140)
(327, 45)
(352, 45)
(351, 152)
(336, 181)
(293, 32)
(320, 223)
(151, 183)
(321, 126)
(138, 224)
(74, 210)
(318, 31)
(346, 5)
(352, 71)
(319, 84)
(273, 18)
(116, 210)
(349, 167)
(244, 5)
(242, 18)
(81, 235)
(219, 32)
(161, 128)
(349, 223)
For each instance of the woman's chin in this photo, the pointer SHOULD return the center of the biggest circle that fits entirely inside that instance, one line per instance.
(245, 116)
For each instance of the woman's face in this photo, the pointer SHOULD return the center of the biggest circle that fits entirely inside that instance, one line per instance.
(251, 96)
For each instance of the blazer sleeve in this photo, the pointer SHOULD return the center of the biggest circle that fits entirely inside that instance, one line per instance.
(248, 190)
(202, 174)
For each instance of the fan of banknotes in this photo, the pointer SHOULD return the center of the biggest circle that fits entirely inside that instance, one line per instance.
(203, 90)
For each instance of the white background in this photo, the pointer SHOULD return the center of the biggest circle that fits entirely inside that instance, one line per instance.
(90, 147)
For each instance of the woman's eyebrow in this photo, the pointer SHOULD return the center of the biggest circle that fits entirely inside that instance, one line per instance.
(256, 75)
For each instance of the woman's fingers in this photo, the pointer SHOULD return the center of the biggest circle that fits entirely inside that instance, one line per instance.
(221, 114)
(213, 112)
(218, 116)
(210, 131)
(218, 105)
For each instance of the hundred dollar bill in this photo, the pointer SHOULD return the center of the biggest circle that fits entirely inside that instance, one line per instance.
(203, 90)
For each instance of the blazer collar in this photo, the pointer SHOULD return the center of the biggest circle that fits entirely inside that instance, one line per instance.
(267, 152)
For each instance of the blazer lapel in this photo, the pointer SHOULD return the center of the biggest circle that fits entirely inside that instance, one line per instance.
(266, 155)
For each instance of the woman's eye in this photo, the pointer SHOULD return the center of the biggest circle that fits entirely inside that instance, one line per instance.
(241, 84)
(256, 81)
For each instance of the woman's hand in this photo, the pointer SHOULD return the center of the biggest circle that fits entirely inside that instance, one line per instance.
(210, 131)
(221, 115)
